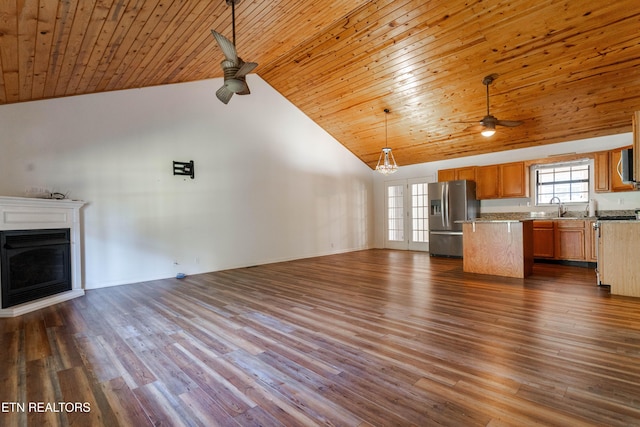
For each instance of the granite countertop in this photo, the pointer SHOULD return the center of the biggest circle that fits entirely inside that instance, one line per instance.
(494, 220)
(550, 216)
(523, 216)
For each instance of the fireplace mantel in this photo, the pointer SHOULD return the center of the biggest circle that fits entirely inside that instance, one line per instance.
(23, 213)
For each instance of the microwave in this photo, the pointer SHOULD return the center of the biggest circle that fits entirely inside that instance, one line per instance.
(625, 166)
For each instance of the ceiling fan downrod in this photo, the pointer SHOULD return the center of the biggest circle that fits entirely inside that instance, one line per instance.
(232, 3)
(487, 81)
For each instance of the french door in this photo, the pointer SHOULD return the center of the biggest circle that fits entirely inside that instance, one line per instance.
(407, 214)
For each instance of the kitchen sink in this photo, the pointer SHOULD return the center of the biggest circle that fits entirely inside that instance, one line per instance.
(543, 214)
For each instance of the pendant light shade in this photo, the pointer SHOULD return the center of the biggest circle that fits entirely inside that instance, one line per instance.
(386, 162)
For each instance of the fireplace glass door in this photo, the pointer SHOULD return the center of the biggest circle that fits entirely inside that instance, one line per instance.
(34, 264)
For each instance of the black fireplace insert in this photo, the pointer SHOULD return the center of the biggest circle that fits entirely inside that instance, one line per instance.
(34, 264)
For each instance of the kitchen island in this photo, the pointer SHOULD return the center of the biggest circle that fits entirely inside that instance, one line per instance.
(498, 247)
(618, 265)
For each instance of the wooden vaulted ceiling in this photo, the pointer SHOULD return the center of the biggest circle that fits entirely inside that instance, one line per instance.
(567, 69)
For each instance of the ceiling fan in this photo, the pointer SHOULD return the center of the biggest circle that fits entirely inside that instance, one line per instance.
(487, 125)
(234, 68)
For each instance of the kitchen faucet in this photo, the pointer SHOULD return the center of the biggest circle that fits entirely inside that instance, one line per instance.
(561, 210)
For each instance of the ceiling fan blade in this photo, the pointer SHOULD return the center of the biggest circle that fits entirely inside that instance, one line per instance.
(227, 47)
(508, 123)
(233, 67)
(245, 91)
(224, 94)
(489, 122)
(475, 128)
(245, 68)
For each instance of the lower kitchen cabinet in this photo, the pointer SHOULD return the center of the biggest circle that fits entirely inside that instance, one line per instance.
(591, 243)
(570, 240)
(543, 239)
(564, 239)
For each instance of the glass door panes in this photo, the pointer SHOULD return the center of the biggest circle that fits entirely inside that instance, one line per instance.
(407, 214)
(419, 215)
(395, 213)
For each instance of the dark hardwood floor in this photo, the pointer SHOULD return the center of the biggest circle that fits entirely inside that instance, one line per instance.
(369, 338)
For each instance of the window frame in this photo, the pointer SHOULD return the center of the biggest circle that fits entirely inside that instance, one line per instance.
(585, 162)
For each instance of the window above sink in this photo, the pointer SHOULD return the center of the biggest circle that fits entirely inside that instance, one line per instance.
(562, 183)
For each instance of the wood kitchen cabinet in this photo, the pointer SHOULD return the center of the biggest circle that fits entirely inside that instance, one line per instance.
(601, 172)
(570, 240)
(605, 172)
(564, 239)
(591, 241)
(487, 182)
(446, 175)
(502, 181)
(514, 180)
(511, 180)
(544, 239)
(468, 173)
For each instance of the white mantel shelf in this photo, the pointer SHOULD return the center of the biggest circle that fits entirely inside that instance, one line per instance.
(24, 213)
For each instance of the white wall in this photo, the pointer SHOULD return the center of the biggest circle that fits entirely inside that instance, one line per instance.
(628, 200)
(270, 185)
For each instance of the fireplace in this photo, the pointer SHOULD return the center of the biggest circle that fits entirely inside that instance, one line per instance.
(34, 264)
(40, 253)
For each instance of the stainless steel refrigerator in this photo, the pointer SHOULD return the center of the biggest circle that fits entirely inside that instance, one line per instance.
(449, 203)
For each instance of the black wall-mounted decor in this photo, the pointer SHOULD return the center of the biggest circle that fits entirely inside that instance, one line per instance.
(184, 168)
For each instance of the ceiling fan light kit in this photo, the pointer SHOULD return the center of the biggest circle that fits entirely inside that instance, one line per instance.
(386, 162)
(488, 130)
(234, 68)
(488, 123)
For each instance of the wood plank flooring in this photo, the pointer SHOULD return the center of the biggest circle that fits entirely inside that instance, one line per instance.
(368, 338)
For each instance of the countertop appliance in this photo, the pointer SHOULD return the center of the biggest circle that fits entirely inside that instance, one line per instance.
(450, 203)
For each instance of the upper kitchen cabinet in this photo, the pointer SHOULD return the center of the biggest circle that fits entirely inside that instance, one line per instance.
(605, 171)
(506, 180)
(487, 182)
(468, 173)
(601, 175)
(446, 175)
(514, 180)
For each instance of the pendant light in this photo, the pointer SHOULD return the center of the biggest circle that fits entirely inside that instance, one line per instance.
(386, 162)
